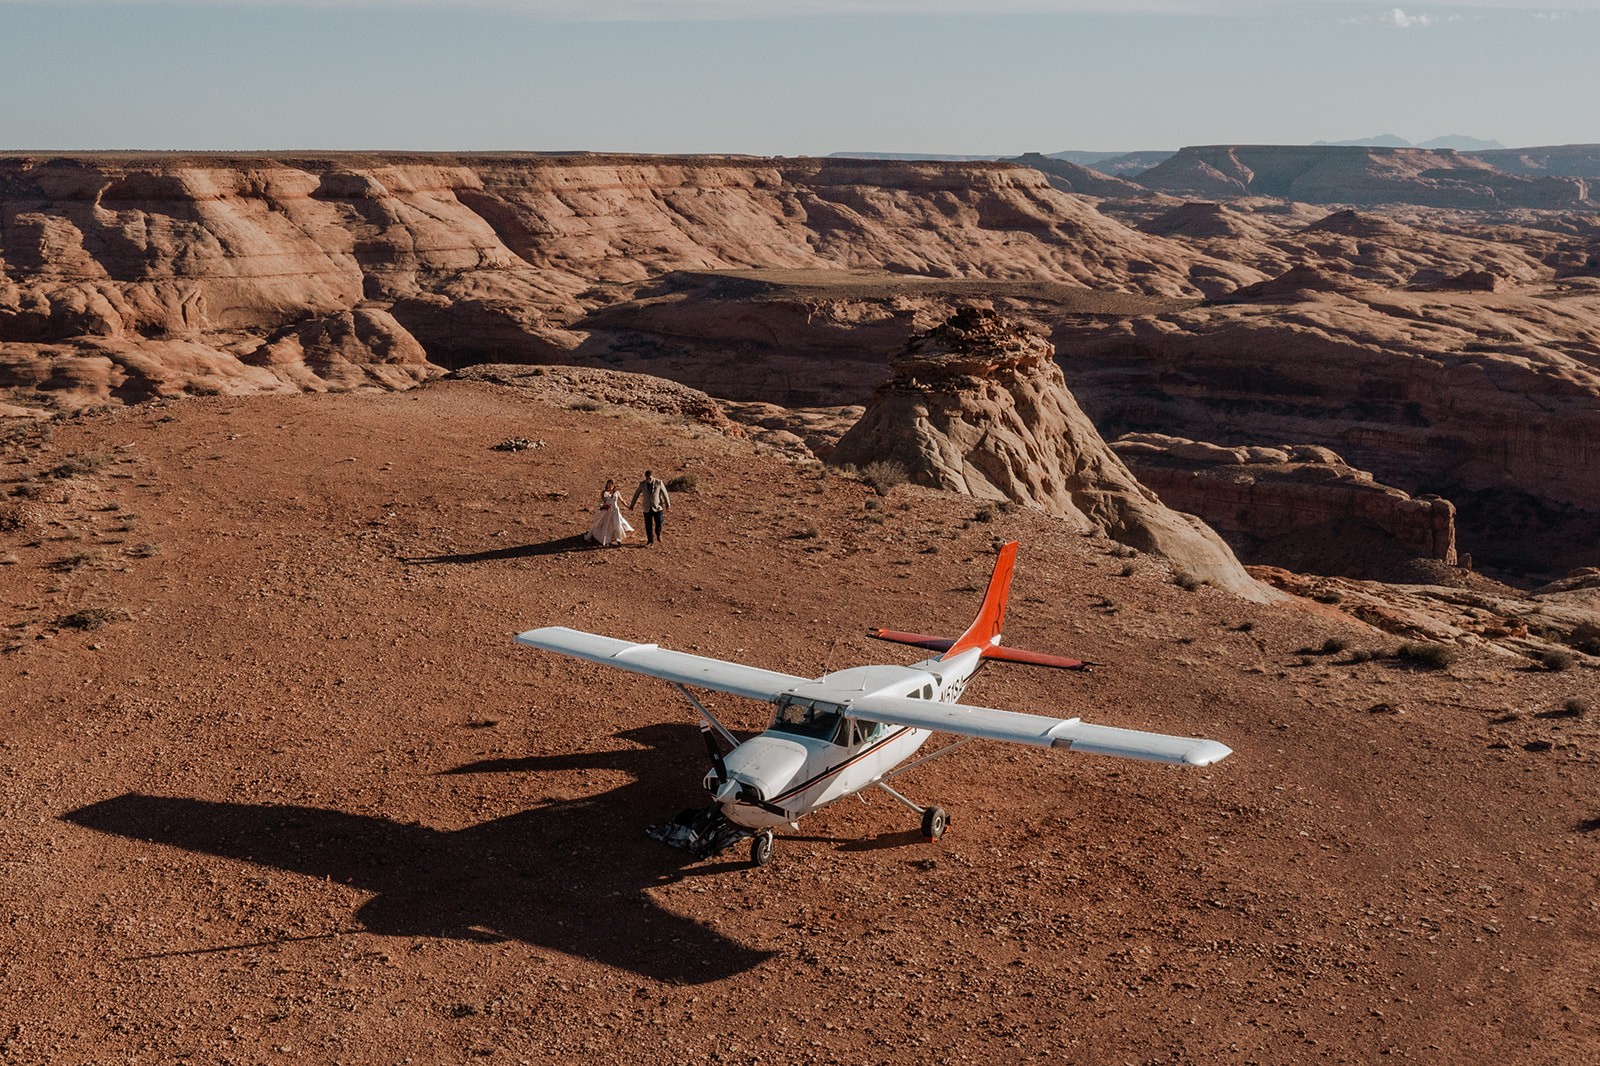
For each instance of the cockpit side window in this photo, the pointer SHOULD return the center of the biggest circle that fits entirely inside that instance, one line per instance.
(866, 732)
(807, 718)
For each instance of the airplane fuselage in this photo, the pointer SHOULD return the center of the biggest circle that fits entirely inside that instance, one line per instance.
(814, 752)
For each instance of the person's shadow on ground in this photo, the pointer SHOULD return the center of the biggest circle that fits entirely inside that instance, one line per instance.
(569, 875)
(575, 543)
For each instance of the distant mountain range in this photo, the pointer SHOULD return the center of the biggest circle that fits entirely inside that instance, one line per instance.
(1459, 141)
(1127, 164)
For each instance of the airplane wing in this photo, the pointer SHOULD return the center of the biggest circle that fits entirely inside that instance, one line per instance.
(656, 661)
(1071, 733)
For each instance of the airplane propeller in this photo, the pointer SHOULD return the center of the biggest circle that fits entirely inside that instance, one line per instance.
(717, 761)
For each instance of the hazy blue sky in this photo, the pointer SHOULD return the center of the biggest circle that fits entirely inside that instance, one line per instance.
(788, 77)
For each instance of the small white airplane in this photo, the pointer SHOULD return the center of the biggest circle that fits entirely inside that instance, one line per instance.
(848, 730)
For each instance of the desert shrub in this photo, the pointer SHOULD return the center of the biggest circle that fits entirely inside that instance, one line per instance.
(92, 618)
(1365, 655)
(1556, 660)
(1327, 597)
(1007, 506)
(142, 551)
(1244, 627)
(77, 466)
(1425, 655)
(74, 562)
(806, 532)
(883, 475)
(586, 405)
(985, 514)
(13, 518)
(870, 504)
(683, 483)
(1128, 570)
(1334, 645)
(1586, 638)
(1187, 582)
(1576, 708)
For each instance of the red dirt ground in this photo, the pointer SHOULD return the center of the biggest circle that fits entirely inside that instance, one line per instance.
(303, 799)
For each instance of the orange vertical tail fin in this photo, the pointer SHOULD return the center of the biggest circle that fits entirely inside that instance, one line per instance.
(984, 632)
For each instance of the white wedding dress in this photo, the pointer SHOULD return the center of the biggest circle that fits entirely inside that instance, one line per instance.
(609, 526)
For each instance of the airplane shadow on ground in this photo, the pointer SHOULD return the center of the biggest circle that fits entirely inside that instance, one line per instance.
(575, 543)
(570, 875)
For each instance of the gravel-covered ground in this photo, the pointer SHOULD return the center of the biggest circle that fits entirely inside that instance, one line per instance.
(277, 786)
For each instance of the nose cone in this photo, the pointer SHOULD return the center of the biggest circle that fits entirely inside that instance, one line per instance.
(768, 764)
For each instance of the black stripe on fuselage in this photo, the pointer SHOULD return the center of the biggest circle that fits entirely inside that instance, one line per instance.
(862, 754)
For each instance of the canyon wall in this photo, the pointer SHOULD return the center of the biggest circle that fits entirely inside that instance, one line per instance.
(127, 276)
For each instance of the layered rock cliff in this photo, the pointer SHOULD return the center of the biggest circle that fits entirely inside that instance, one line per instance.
(978, 405)
(1296, 506)
(135, 275)
(1482, 398)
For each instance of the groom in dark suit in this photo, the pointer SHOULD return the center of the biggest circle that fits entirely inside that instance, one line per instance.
(656, 501)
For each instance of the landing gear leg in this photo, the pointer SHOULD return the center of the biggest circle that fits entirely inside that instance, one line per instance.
(761, 848)
(934, 819)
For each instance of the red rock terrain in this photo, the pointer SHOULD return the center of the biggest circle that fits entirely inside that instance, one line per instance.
(1297, 506)
(1448, 350)
(298, 798)
(132, 276)
(977, 405)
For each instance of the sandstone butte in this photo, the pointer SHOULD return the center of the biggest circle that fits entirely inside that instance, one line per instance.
(979, 406)
(1450, 351)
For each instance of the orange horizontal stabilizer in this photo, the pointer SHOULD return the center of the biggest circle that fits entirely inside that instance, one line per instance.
(916, 640)
(1034, 658)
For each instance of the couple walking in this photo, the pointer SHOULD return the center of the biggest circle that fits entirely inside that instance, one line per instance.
(609, 527)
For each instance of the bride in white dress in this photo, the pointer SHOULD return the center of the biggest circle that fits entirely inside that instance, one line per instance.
(609, 527)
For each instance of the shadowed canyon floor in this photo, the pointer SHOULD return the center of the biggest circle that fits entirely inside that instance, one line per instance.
(294, 794)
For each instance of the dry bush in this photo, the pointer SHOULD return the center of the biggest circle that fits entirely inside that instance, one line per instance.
(78, 466)
(73, 562)
(1556, 661)
(14, 518)
(683, 483)
(1425, 655)
(92, 618)
(883, 475)
(1586, 638)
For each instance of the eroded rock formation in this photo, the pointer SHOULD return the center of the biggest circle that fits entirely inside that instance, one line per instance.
(978, 405)
(136, 275)
(1487, 399)
(1297, 506)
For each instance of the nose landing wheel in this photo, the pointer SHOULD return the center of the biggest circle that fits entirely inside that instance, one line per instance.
(761, 848)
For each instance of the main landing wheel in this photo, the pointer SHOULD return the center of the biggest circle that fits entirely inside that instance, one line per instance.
(761, 848)
(934, 823)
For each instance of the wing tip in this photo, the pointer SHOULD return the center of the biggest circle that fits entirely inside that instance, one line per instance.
(1206, 753)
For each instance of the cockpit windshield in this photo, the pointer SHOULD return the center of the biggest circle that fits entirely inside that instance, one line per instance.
(818, 719)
